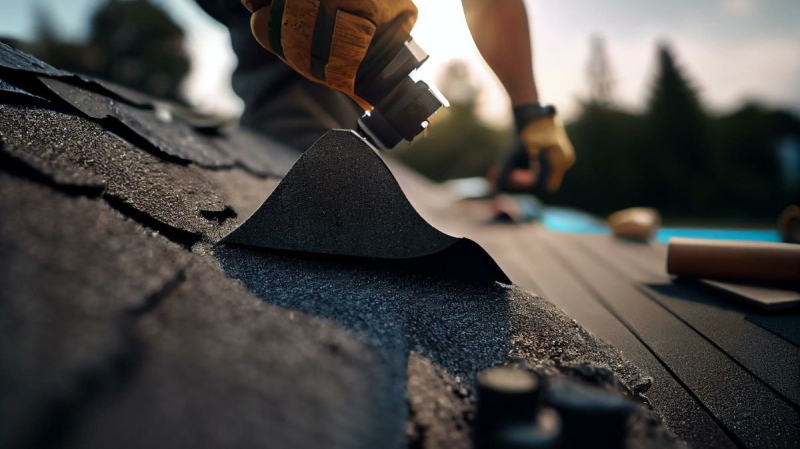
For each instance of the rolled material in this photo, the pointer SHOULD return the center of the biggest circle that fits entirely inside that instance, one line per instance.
(734, 260)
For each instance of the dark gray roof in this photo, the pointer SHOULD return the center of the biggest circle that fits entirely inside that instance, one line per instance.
(126, 323)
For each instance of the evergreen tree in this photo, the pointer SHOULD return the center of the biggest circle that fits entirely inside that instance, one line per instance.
(677, 158)
(131, 42)
(457, 144)
(600, 74)
(144, 47)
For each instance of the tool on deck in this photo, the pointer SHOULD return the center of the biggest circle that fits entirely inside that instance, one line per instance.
(362, 48)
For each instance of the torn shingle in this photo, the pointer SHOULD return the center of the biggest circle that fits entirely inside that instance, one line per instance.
(66, 147)
(224, 369)
(13, 59)
(341, 199)
(159, 128)
(74, 267)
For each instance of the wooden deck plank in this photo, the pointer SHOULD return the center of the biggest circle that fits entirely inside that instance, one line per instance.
(772, 359)
(738, 400)
(533, 266)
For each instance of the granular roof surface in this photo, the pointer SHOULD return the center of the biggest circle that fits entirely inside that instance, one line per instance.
(126, 323)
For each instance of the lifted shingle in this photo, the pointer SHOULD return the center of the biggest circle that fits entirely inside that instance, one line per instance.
(341, 199)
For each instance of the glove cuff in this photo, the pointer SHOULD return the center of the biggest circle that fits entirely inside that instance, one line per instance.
(527, 113)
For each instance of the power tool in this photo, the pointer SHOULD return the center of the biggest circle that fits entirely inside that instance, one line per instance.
(402, 105)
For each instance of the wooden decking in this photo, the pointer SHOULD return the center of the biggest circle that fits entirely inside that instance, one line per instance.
(724, 375)
(718, 378)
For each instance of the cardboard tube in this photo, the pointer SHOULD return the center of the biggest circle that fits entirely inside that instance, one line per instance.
(734, 259)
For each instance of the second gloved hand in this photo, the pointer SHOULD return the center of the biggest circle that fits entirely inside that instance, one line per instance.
(546, 140)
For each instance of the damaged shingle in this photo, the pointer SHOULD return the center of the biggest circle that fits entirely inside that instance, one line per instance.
(159, 128)
(66, 148)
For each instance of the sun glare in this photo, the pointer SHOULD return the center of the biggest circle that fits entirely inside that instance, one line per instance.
(442, 32)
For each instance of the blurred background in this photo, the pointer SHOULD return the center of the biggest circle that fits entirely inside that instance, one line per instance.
(688, 106)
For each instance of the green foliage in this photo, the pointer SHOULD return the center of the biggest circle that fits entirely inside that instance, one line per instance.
(746, 164)
(607, 175)
(456, 145)
(676, 153)
(600, 74)
(674, 156)
(131, 42)
(677, 158)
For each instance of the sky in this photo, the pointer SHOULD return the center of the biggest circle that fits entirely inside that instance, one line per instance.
(732, 50)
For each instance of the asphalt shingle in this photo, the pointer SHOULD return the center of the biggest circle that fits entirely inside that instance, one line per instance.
(115, 337)
(12, 92)
(13, 59)
(223, 369)
(441, 409)
(70, 149)
(75, 269)
(165, 132)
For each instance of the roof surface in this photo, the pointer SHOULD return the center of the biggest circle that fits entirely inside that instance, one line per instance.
(126, 323)
(724, 374)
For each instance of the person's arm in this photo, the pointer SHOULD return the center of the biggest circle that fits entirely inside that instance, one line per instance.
(501, 33)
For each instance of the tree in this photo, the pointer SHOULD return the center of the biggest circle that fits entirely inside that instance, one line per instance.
(677, 157)
(144, 47)
(131, 42)
(600, 74)
(457, 143)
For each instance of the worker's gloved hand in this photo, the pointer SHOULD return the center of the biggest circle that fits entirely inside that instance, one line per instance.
(544, 154)
(339, 43)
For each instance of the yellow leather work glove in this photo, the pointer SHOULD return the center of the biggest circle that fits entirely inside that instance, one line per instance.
(337, 43)
(545, 139)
